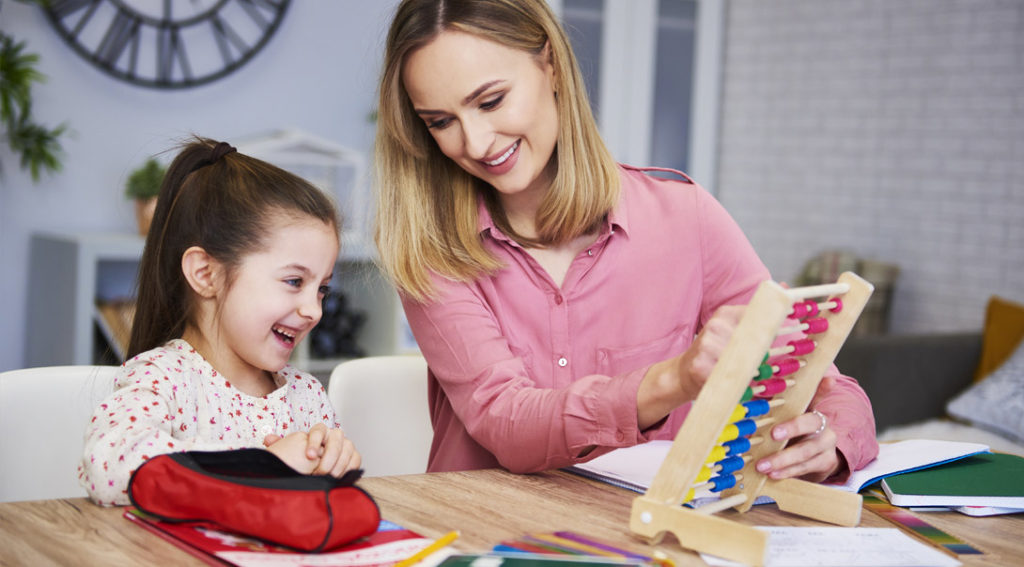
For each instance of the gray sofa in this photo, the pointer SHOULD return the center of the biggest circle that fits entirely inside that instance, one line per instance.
(909, 378)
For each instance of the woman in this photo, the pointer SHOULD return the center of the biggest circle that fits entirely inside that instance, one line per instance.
(566, 305)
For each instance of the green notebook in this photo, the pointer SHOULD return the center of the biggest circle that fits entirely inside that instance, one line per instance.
(986, 479)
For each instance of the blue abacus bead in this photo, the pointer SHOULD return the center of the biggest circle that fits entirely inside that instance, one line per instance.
(736, 446)
(756, 408)
(746, 427)
(722, 482)
(730, 465)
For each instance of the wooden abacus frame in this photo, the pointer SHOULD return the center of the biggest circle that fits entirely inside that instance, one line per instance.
(660, 509)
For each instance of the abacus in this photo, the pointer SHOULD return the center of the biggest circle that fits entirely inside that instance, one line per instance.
(767, 374)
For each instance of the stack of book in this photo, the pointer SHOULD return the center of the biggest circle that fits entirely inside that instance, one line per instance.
(978, 485)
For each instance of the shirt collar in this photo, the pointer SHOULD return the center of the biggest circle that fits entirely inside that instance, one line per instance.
(618, 218)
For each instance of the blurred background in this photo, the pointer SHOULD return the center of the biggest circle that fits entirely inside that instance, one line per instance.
(876, 135)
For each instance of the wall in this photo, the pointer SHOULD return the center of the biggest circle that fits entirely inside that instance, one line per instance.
(318, 74)
(894, 130)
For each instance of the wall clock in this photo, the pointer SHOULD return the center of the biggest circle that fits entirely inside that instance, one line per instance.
(167, 44)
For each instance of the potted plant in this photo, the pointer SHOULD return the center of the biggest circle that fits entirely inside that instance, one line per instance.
(143, 186)
(37, 146)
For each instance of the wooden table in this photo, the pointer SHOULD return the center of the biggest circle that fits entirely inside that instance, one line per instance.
(485, 506)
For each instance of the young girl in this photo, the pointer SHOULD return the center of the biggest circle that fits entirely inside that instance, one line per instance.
(236, 264)
(566, 305)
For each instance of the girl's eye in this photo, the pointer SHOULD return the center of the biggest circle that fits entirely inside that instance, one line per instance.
(325, 290)
(294, 282)
(493, 103)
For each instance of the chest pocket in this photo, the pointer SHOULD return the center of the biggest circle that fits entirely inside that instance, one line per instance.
(612, 361)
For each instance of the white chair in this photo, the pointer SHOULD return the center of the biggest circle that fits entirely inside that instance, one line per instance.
(381, 403)
(43, 414)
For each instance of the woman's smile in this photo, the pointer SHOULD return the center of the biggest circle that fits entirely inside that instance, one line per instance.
(505, 161)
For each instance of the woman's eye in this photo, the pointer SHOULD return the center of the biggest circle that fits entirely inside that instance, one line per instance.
(492, 103)
(438, 124)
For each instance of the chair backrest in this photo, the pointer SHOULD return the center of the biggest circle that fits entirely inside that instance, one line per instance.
(381, 402)
(43, 414)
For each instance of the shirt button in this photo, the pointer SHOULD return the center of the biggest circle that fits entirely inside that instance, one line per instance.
(563, 361)
(590, 252)
(619, 436)
(266, 430)
(558, 299)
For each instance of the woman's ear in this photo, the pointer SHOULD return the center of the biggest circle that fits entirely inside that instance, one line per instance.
(548, 64)
(203, 272)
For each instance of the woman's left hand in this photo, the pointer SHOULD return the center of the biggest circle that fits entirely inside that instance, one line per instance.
(812, 455)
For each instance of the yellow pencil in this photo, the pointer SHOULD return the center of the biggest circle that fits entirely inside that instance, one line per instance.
(421, 554)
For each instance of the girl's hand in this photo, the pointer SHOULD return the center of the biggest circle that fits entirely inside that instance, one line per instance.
(319, 451)
(335, 452)
(812, 456)
(293, 450)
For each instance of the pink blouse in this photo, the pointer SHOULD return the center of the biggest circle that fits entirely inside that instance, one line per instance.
(525, 374)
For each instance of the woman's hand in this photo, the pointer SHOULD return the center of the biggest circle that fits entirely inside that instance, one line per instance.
(673, 382)
(812, 456)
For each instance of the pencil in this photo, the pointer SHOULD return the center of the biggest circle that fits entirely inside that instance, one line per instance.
(915, 527)
(423, 553)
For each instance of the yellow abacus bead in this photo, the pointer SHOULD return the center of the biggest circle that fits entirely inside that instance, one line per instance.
(729, 433)
(737, 414)
(716, 454)
(703, 475)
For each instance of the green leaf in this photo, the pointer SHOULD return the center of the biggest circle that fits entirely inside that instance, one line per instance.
(38, 146)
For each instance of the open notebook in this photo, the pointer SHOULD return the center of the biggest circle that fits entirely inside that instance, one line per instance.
(634, 467)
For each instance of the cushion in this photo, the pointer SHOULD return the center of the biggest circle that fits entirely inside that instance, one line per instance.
(1004, 329)
(997, 402)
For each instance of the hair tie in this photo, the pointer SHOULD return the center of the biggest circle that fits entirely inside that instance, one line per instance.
(220, 150)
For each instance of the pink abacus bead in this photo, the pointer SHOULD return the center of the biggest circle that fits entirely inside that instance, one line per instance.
(815, 326)
(839, 305)
(772, 386)
(787, 367)
(801, 346)
(803, 309)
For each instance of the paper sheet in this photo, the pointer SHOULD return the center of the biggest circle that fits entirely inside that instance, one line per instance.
(844, 547)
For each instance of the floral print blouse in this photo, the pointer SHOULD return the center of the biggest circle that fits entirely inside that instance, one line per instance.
(170, 399)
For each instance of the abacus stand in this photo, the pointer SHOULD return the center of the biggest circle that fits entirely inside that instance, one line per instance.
(660, 509)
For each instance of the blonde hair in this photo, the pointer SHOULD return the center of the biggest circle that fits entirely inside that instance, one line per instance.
(427, 218)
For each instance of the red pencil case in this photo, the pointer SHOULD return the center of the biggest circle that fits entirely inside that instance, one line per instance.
(252, 492)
